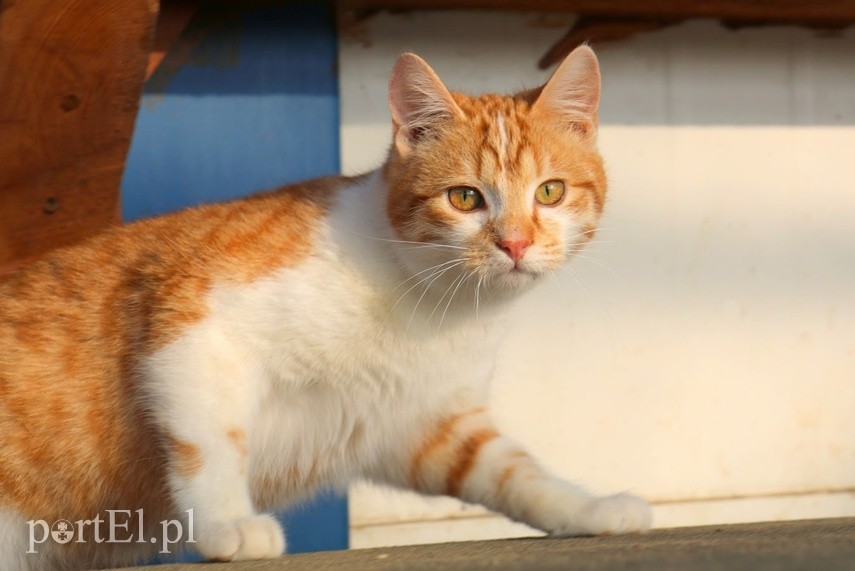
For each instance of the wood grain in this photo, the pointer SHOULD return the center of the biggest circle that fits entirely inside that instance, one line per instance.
(72, 74)
(819, 11)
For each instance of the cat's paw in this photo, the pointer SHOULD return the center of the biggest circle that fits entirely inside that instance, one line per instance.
(252, 537)
(611, 515)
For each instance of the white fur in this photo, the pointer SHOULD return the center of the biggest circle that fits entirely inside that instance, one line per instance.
(332, 359)
(13, 541)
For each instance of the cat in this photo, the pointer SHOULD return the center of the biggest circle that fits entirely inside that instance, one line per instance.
(216, 364)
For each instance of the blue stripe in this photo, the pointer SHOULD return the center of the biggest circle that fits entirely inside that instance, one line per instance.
(254, 106)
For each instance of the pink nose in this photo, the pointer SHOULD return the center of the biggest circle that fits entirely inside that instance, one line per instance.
(515, 249)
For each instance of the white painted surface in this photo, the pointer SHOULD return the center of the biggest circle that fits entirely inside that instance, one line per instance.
(478, 527)
(715, 356)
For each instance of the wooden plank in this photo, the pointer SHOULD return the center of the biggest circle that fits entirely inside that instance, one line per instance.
(174, 18)
(72, 77)
(818, 11)
(595, 29)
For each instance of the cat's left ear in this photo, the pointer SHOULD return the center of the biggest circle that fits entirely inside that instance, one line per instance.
(418, 100)
(572, 94)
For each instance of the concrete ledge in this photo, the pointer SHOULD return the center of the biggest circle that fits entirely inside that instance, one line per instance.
(811, 545)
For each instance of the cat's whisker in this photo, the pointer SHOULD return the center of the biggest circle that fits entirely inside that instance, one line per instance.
(427, 287)
(487, 286)
(584, 246)
(437, 268)
(554, 274)
(601, 265)
(478, 299)
(581, 284)
(615, 331)
(575, 251)
(412, 242)
(593, 261)
(443, 296)
(431, 245)
(591, 242)
(427, 270)
(607, 228)
(598, 232)
(447, 305)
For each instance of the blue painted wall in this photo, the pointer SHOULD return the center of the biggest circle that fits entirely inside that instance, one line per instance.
(254, 106)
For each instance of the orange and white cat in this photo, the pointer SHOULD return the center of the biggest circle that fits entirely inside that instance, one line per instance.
(236, 357)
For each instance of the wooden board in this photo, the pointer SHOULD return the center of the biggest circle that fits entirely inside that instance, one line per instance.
(72, 74)
(818, 11)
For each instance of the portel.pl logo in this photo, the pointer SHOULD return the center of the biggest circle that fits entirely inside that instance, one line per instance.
(115, 528)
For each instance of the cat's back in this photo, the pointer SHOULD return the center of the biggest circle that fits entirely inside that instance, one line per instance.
(159, 268)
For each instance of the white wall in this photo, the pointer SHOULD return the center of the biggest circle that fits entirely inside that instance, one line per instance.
(710, 334)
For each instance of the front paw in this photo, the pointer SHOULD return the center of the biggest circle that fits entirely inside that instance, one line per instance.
(252, 537)
(611, 515)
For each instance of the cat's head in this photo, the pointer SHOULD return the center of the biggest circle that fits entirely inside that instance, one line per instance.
(509, 187)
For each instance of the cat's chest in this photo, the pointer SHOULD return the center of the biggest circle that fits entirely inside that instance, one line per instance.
(320, 324)
(345, 387)
(377, 375)
(326, 424)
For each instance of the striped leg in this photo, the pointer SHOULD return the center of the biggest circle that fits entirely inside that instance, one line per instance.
(466, 457)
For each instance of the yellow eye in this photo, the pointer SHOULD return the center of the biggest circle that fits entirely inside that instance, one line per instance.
(465, 198)
(550, 192)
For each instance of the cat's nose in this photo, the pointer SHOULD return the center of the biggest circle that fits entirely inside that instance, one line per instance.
(515, 249)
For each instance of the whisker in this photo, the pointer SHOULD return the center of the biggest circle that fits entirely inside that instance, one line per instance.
(438, 269)
(596, 262)
(433, 244)
(554, 274)
(447, 305)
(478, 299)
(427, 270)
(614, 332)
(443, 296)
(427, 287)
(592, 242)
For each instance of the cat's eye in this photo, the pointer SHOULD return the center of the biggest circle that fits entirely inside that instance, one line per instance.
(550, 192)
(465, 198)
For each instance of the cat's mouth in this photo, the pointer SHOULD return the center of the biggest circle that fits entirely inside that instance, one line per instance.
(521, 268)
(518, 277)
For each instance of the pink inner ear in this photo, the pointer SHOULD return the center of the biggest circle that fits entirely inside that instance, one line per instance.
(573, 91)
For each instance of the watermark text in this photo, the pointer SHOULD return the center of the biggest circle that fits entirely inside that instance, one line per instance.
(115, 527)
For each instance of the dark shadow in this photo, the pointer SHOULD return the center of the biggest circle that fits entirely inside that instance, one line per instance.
(237, 48)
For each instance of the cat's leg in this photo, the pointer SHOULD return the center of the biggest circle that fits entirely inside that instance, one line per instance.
(463, 455)
(205, 394)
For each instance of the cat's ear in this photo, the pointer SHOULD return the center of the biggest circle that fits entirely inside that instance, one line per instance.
(418, 100)
(572, 94)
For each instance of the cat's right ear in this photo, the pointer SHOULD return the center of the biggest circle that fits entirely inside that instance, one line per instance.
(418, 100)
